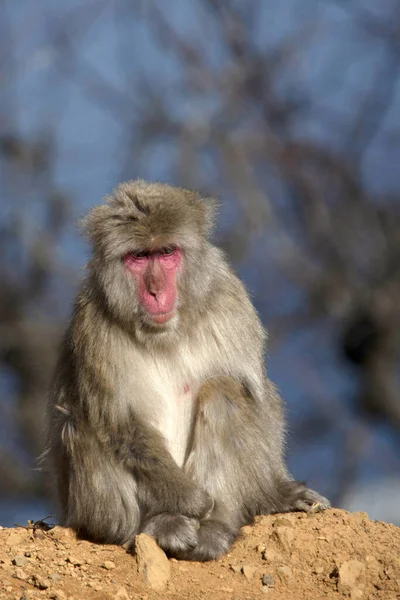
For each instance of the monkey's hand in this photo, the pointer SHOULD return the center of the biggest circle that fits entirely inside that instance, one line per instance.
(178, 534)
(162, 486)
(174, 533)
(214, 539)
(195, 502)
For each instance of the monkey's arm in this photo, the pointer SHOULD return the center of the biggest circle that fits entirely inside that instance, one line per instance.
(162, 485)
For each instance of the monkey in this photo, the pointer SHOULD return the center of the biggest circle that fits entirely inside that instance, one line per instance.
(162, 419)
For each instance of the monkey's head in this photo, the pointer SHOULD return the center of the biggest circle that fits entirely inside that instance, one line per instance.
(150, 243)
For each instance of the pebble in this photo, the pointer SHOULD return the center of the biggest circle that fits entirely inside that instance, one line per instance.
(64, 534)
(282, 522)
(350, 576)
(58, 595)
(318, 570)
(236, 568)
(285, 536)
(20, 574)
(271, 555)
(284, 573)
(152, 562)
(268, 580)
(109, 565)
(77, 562)
(121, 594)
(248, 571)
(360, 517)
(19, 561)
(40, 582)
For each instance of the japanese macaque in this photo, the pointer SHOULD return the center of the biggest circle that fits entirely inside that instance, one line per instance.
(162, 419)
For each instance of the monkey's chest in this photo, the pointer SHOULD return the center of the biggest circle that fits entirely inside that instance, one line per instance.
(165, 396)
(174, 420)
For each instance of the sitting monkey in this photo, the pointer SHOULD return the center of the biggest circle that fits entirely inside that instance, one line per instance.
(162, 419)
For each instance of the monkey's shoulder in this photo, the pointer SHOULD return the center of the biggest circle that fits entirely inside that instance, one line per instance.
(231, 308)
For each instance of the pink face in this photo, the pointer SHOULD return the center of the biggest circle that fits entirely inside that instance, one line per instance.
(156, 273)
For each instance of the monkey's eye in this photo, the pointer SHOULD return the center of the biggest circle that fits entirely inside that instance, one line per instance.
(143, 254)
(167, 251)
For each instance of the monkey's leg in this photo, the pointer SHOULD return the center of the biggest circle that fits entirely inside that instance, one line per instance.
(216, 463)
(236, 457)
(98, 495)
(113, 490)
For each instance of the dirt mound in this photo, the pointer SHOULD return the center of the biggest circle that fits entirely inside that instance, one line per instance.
(334, 554)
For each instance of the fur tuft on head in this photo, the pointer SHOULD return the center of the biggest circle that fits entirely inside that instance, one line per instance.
(140, 215)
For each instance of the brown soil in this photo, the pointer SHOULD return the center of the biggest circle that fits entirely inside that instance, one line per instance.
(333, 554)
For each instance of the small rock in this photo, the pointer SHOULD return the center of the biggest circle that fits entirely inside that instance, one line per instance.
(121, 594)
(285, 536)
(284, 573)
(62, 533)
(282, 522)
(261, 548)
(55, 577)
(40, 582)
(271, 555)
(268, 580)
(235, 568)
(248, 571)
(77, 562)
(246, 530)
(350, 574)
(360, 517)
(19, 561)
(26, 596)
(152, 562)
(58, 595)
(109, 565)
(20, 574)
(318, 570)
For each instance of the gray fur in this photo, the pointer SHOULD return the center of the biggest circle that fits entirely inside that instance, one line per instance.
(173, 430)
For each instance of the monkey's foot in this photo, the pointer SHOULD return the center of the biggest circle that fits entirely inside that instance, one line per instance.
(299, 497)
(214, 539)
(174, 533)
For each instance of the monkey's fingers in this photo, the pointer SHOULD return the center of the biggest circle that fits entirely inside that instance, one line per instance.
(311, 502)
(214, 539)
(173, 533)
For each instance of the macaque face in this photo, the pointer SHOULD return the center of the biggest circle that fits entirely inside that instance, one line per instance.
(155, 272)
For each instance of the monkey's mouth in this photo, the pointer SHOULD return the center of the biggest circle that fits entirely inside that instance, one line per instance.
(162, 318)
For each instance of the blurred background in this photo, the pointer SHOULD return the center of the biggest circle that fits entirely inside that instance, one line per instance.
(289, 112)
